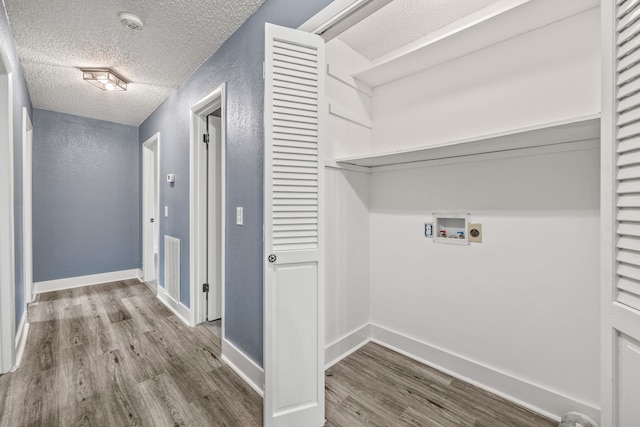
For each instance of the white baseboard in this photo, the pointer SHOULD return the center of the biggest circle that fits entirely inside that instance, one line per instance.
(248, 370)
(542, 400)
(177, 307)
(80, 281)
(539, 399)
(21, 340)
(340, 349)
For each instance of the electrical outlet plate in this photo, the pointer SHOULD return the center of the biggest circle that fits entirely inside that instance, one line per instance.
(475, 233)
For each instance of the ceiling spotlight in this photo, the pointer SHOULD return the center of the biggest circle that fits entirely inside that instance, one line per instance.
(131, 21)
(104, 78)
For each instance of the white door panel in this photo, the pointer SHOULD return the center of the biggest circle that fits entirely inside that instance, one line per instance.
(294, 275)
(620, 215)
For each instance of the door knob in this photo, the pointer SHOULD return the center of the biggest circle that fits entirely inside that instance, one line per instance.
(152, 220)
(272, 258)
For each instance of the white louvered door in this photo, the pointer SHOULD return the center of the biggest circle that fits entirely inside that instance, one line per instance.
(293, 246)
(621, 213)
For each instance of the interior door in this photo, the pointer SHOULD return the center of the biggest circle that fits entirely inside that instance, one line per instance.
(621, 213)
(149, 208)
(214, 231)
(293, 246)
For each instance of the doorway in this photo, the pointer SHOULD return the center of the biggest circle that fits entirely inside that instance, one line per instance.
(150, 208)
(207, 196)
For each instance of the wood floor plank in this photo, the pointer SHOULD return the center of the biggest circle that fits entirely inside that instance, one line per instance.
(165, 402)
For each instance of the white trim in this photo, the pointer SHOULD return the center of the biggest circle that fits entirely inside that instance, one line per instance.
(345, 346)
(176, 307)
(27, 206)
(537, 398)
(21, 339)
(608, 391)
(151, 147)
(340, 15)
(197, 262)
(80, 281)
(7, 224)
(242, 364)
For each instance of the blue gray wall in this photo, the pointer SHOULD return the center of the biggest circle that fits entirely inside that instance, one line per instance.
(238, 63)
(20, 100)
(86, 196)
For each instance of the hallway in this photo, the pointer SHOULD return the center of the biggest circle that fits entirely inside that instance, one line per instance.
(111, 355)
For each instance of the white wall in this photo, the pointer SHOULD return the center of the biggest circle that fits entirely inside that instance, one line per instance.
(546, 75)
(347, 214)
(522, 307)
(525, 301)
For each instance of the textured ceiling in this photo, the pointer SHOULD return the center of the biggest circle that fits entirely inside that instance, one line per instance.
(404, 21)
(56, 37)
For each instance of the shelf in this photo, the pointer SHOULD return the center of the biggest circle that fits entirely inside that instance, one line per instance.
(501, 21)
(563, 134)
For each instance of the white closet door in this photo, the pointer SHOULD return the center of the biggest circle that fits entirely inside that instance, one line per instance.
(293, 246)
(621, 213)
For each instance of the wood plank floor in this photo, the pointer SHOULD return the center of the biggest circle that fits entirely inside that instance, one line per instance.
(113, 355)
(379, 387)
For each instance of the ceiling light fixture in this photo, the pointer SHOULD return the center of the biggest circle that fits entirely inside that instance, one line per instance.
(104, 78)
(131, 21)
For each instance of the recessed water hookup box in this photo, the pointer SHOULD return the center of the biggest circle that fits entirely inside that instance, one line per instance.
(450, 228)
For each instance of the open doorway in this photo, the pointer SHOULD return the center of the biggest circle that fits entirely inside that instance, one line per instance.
(207, 210)
(150, 209)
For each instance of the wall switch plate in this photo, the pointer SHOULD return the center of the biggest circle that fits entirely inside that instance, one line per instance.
(428, 230)
(166, 211)
(475, 233)
(239, 215)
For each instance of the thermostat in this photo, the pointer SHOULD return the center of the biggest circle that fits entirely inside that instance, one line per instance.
(171, 177)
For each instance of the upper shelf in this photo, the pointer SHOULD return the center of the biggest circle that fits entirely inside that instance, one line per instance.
(551, 134)
(501, 21)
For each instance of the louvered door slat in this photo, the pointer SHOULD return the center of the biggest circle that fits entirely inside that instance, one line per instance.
(627, 75)
(628, 215)
(629, 257)
(629, 229)
(629, 116)
(629, 187)
(629, 201)
(629, 159)
(629, 145)
(627, 121)
(629, 88)
(626, 7)
(628, 243)
(629, 172)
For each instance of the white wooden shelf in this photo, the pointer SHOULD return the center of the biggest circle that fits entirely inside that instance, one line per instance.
(501, 21)
(566, 134)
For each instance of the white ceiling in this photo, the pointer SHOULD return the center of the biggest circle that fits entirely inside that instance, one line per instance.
(404, 21)
(56, 37)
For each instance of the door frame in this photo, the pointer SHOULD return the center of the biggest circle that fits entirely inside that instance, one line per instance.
(7, 223)
(197, 202)
(27, 205)
(150, 205)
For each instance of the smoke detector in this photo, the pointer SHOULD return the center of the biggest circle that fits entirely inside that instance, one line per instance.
(131, 21)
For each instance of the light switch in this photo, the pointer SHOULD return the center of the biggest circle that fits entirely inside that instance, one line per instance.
(239, 215)
(166, 211)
